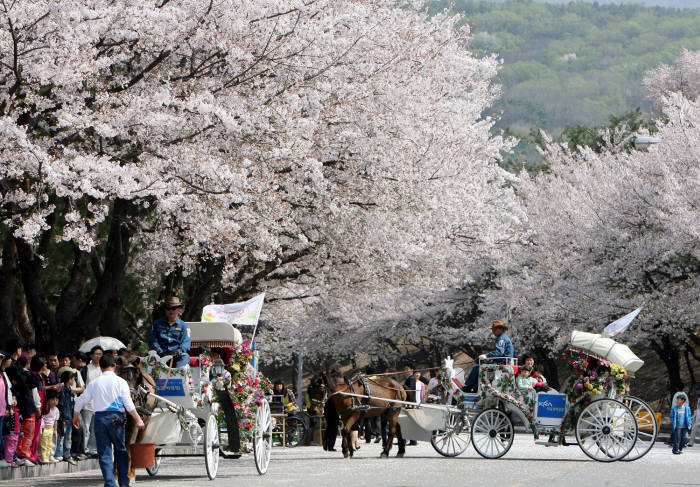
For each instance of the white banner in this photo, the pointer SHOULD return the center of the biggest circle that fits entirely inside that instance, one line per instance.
(246, 313)
(620, 325)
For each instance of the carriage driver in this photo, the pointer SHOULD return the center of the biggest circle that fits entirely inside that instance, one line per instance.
(502, 349)
(170, 335)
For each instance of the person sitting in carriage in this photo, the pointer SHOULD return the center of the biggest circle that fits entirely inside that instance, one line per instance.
(503, 349)
(170, 335)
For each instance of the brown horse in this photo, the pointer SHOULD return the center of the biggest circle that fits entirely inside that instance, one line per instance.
(354, 409)
(132, 373)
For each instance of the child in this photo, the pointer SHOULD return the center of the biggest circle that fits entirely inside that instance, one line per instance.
(538, 375)
(66, 402)
(13, 428)
(523, 379)
(49, 421)
(680, 422)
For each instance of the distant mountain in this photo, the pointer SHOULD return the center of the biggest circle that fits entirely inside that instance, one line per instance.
(681, 4)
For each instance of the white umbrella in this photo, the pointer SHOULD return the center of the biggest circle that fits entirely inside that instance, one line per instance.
(107, 343)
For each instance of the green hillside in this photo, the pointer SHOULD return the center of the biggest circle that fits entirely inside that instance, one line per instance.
(574, 64)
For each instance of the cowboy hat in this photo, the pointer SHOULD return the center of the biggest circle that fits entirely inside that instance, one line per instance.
(173, 302)
(499, 324)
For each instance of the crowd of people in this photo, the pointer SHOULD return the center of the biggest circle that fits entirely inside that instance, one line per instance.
(38, 394)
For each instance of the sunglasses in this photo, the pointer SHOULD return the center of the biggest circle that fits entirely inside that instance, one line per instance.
(170, 308)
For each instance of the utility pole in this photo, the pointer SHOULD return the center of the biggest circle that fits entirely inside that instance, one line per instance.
(300, 379)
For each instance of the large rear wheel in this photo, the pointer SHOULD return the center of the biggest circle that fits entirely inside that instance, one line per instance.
(262, 440)
(454, 439)
(295, 429)
(211, 446)
(647, 427)
(492, 433)
(606, 430)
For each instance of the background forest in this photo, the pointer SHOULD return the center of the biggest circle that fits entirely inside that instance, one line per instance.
(574, 64)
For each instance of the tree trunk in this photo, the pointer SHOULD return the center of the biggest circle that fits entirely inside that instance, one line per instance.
(549, 366)
(9, 272)
(103, 309)
(43, 316)
(669, 353)
(200, 287)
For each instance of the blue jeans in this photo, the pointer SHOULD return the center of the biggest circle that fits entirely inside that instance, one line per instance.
(679, 438)
(183, 360)
(65, 430)
(472, 380)
(108, 434)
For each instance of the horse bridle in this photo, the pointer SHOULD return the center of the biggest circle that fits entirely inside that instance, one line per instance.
(320, 402)
(140, 399)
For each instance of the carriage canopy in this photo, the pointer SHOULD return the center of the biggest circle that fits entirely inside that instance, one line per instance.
(607, 349)
(214, 334)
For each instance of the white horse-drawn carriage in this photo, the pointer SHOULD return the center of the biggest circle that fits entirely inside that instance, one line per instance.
(185, 422)
(593, 407)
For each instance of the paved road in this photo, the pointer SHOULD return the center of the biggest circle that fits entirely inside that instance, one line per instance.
(525, 464)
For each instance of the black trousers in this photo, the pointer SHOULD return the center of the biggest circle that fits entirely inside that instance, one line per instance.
(234, 435)
(332, 423)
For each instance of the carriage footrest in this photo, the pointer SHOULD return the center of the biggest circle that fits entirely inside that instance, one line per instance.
(230, 455)
(547, 443)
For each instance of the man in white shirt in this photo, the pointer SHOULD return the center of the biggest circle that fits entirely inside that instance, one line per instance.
(110, 397)
(88, 413)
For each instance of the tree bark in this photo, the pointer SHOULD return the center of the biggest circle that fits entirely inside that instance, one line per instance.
(200, 288)
(103, 309)
(549, 366)
(669, 353)
(9, 273)
(43, 316)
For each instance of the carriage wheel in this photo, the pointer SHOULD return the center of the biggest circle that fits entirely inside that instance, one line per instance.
(211, 446)
(606, 430)
(295, 430)
(152, 471)
(454, 439)
(647, 427)
(492, 433)
(262, 441)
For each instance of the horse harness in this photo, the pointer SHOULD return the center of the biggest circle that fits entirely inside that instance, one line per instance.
(356, 403)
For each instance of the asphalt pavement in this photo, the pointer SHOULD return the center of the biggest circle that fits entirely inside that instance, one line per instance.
(526, 464)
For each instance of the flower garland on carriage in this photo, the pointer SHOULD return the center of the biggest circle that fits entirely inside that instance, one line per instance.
(590, 377)
(246, 387)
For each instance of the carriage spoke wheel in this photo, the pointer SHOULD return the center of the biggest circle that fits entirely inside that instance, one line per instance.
(211, 446)
(152, 471)
(296, 431)
(492, 433)
(454, 439)
(606, 430)
(647, 427)
(262, 440)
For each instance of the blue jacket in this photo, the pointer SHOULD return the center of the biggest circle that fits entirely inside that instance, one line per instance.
(503, 348)
(66, 403)
(685, 421)
(166, 339)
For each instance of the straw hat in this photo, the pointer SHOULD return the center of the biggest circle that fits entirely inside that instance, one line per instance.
(173, 302)
(499, 324)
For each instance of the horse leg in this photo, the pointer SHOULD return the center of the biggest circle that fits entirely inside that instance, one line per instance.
(347, 427)
(391, 421)
(402, 442)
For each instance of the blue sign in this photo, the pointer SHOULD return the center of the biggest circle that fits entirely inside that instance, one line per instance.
(170, 387)
(551, 405)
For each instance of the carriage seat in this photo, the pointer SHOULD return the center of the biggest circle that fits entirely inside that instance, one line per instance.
(194, 361)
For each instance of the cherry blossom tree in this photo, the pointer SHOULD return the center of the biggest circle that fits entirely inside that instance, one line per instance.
(611, 231)
(326, 152)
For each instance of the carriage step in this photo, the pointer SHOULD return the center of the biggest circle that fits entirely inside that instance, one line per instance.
(230, 455)
(547, 443)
